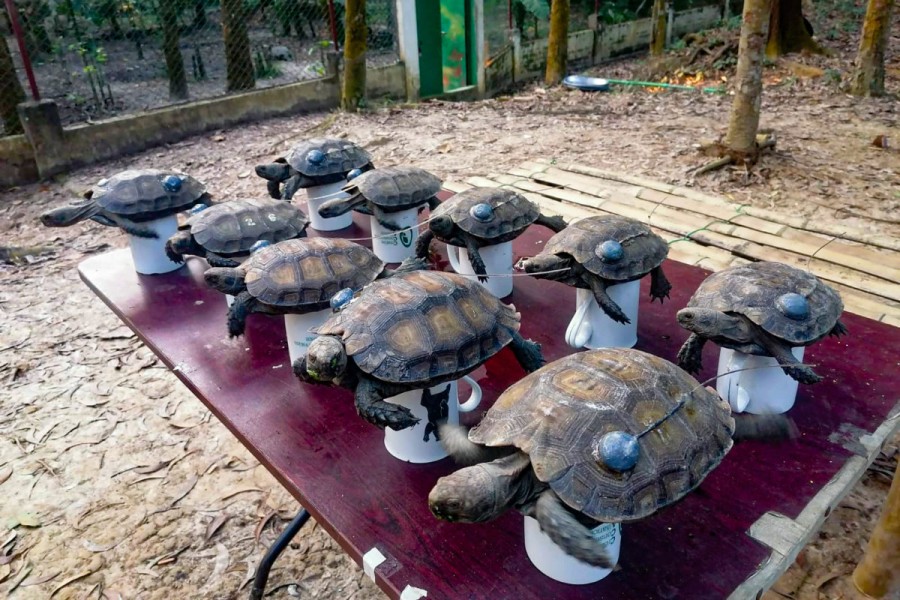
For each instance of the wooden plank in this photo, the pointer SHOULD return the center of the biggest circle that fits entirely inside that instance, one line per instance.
(873, 254)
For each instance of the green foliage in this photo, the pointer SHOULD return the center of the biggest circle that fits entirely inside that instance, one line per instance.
(678, 44)
(540, 9)
(733, 22)
(265, 68)
(833, 76)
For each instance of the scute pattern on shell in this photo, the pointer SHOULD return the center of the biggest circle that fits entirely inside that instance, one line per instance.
(423, 325)
(512, 212)
(396, 188)
(557, 414)
(341, 156)
(644, 250)
(309, 271)
(140, 193)
(752, 290)
(233, 227)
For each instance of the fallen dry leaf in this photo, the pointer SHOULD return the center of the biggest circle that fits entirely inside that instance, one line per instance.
(214, 526)
(262, 525)
(39, 580)
(82, 575)
(5, 570)
(237, 491)
(28, 519)
(20, 577)
(92, 547)
(5, 473)
(184, 491)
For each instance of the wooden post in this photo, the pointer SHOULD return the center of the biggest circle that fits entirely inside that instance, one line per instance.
(878, 573)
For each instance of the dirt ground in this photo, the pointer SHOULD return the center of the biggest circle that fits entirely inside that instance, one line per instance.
(117, 483)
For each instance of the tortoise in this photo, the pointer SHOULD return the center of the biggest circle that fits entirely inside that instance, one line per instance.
(411, 331)
(761, 308)
(297, 276)
(602, 436)
(482, 216)
(313, 162)
(600, 251)
(130, 198)
(224, 231)
(390, 189)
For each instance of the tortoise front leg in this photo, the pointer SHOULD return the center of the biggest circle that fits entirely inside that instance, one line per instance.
(782, 353)
(372, 407)
(612, 310)
(104, 220)
(389, 225)
(433, 203)
(659, 285)
(274, 189)
(300, 372)
(291, 186)
(563, 528)
(527, 352)
(243, 305)
(476, 260)
(215, 260)
(423, 243)
(134, 229)
(554, 224)
(690, 356)
(838, 329)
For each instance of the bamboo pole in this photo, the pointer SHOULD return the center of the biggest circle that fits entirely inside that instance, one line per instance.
(878, 573)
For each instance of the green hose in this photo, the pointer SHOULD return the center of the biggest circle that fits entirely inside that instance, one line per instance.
(671, 86)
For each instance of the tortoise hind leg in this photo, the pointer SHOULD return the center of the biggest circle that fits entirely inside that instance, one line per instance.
(528, 353)
(475, 259)
(455, 440)
(554, 224)
(612, 310)
(372, 407)
(423, 243)
(215, 260)
(659, 285)
(838, 329)
(243, 305)
(690, 356)
(563, 528)
(789, 363)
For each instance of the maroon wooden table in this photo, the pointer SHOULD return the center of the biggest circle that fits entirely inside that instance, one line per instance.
(336, 466)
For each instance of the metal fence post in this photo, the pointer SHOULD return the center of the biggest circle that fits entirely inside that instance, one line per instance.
(332, 21)
(13, 14)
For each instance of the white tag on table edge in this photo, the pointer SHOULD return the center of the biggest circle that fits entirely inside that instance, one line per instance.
(371, 560)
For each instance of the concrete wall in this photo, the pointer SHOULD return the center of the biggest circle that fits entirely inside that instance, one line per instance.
(91, 143)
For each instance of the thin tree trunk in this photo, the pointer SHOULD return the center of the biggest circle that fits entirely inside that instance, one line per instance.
(11, 92)
(354, 91)
(869, 77)
(238, 60)
(558, 42)
(744, 122)
(658, 34)
(168, 20)
(788, 30)
(878, 573)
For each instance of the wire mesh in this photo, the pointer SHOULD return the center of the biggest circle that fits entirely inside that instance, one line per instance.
(99, 58)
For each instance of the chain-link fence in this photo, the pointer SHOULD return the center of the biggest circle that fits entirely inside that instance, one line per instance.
(98, 58)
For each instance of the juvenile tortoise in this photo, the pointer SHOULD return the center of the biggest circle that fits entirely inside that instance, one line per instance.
(224, 231)
(389, 189)
(603, 436)
(130, 198)
(482, 216)
(296, 276)
(600, 251)
(313, 162)
(761, 308)
(411, 331)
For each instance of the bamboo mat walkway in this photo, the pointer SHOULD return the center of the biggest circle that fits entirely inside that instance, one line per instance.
(714, 233)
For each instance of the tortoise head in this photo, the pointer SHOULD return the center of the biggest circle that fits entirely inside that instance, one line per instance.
(466, 496)
(442, 226)
(276, 171)
(326, 358)
(711, 323)
(69, 215)
(227, 280)
(540, 264)
(180, 244)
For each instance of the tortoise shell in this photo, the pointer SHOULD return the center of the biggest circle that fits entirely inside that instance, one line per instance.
(423, 326)
(511, 213)
(147, 193)
(395, 188)
(318, 157)
(558, 415)
(233, 227)
(641, 249)
(754, 290)
(307, 272)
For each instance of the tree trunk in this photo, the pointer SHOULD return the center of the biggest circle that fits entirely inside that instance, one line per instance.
(741, 137)
(788, 30)
(200, 20)
(869, 77)
(168, 20)
(558, 42)
(878, 573)
(658, 34)
(238, 60)
(354, 91)
(11, 92)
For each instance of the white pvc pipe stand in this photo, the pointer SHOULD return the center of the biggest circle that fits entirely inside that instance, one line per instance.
(149, 255)
(420, 444)
(297, 328)
(316, 197)
(554, 562)
(768, 391)
(592, 328)
(498, 259)
(391, 246)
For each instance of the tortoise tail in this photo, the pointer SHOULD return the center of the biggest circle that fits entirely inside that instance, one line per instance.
(237, 314)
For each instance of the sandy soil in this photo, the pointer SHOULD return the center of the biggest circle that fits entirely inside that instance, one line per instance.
(116, 482)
